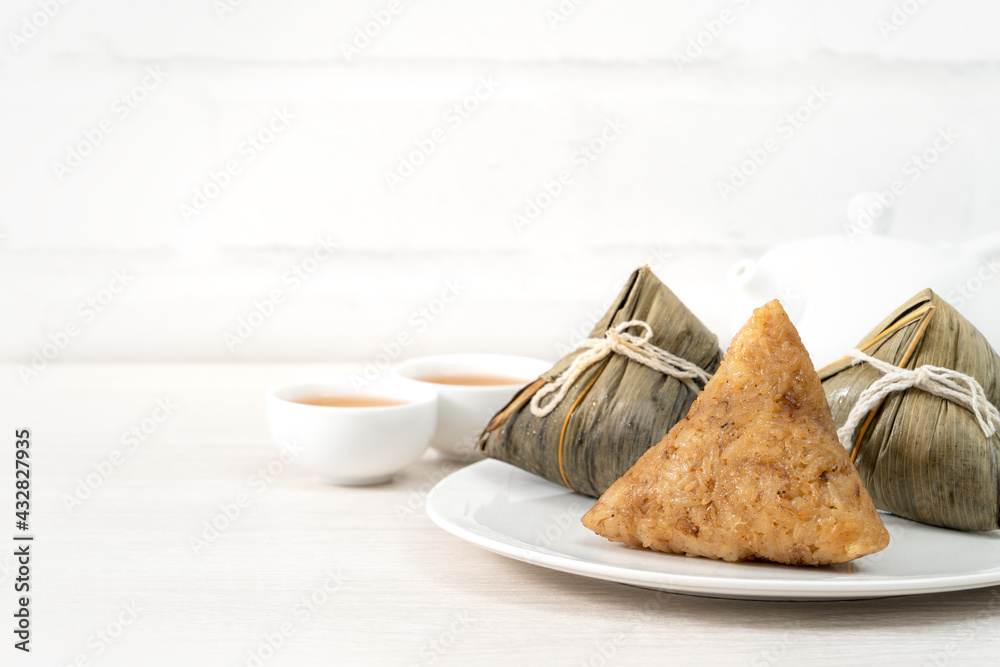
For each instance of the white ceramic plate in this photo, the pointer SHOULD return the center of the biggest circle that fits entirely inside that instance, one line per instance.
(516, 514)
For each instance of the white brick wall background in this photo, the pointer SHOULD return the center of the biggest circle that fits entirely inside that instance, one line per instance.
(896, 72)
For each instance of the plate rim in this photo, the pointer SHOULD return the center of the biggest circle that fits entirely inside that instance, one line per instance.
(724, 586)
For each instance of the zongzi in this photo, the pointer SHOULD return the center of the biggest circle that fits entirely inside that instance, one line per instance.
(583, 425)
(754, 472)
(922, 456)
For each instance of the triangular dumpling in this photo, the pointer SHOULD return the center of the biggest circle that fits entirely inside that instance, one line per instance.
(588, 444)
(755, 470)
(921, 456)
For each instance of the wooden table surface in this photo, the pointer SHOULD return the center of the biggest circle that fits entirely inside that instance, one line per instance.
(308, 574)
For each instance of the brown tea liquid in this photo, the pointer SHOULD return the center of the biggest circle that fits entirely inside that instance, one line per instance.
(471, 379)
(350, 401)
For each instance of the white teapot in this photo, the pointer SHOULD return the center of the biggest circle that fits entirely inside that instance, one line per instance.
(836, 289)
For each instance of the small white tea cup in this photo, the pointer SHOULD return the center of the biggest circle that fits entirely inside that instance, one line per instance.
(464, 410)
(353, 446)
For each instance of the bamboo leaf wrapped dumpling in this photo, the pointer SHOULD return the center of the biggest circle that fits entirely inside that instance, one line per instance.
(922, 456)
(618, 407)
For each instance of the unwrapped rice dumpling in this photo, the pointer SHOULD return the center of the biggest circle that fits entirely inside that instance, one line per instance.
(754, 472)
(921, 456)
(618, 407)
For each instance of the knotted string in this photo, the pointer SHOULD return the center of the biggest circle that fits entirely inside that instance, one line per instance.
(944, 382)
(636, 348)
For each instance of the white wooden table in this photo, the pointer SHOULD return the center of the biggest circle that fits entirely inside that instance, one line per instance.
(347, 576)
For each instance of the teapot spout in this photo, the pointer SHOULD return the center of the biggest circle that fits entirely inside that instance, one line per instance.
(746, 277)
(757, 286)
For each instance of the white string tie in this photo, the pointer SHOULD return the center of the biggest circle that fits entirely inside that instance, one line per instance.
(944, 382)
(636, 348)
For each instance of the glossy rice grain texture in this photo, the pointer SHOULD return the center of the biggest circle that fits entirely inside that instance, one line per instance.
(755, 470)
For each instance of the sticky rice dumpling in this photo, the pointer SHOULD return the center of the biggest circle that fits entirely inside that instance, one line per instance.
(755, 470)
(922, 456)
(618, 408)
